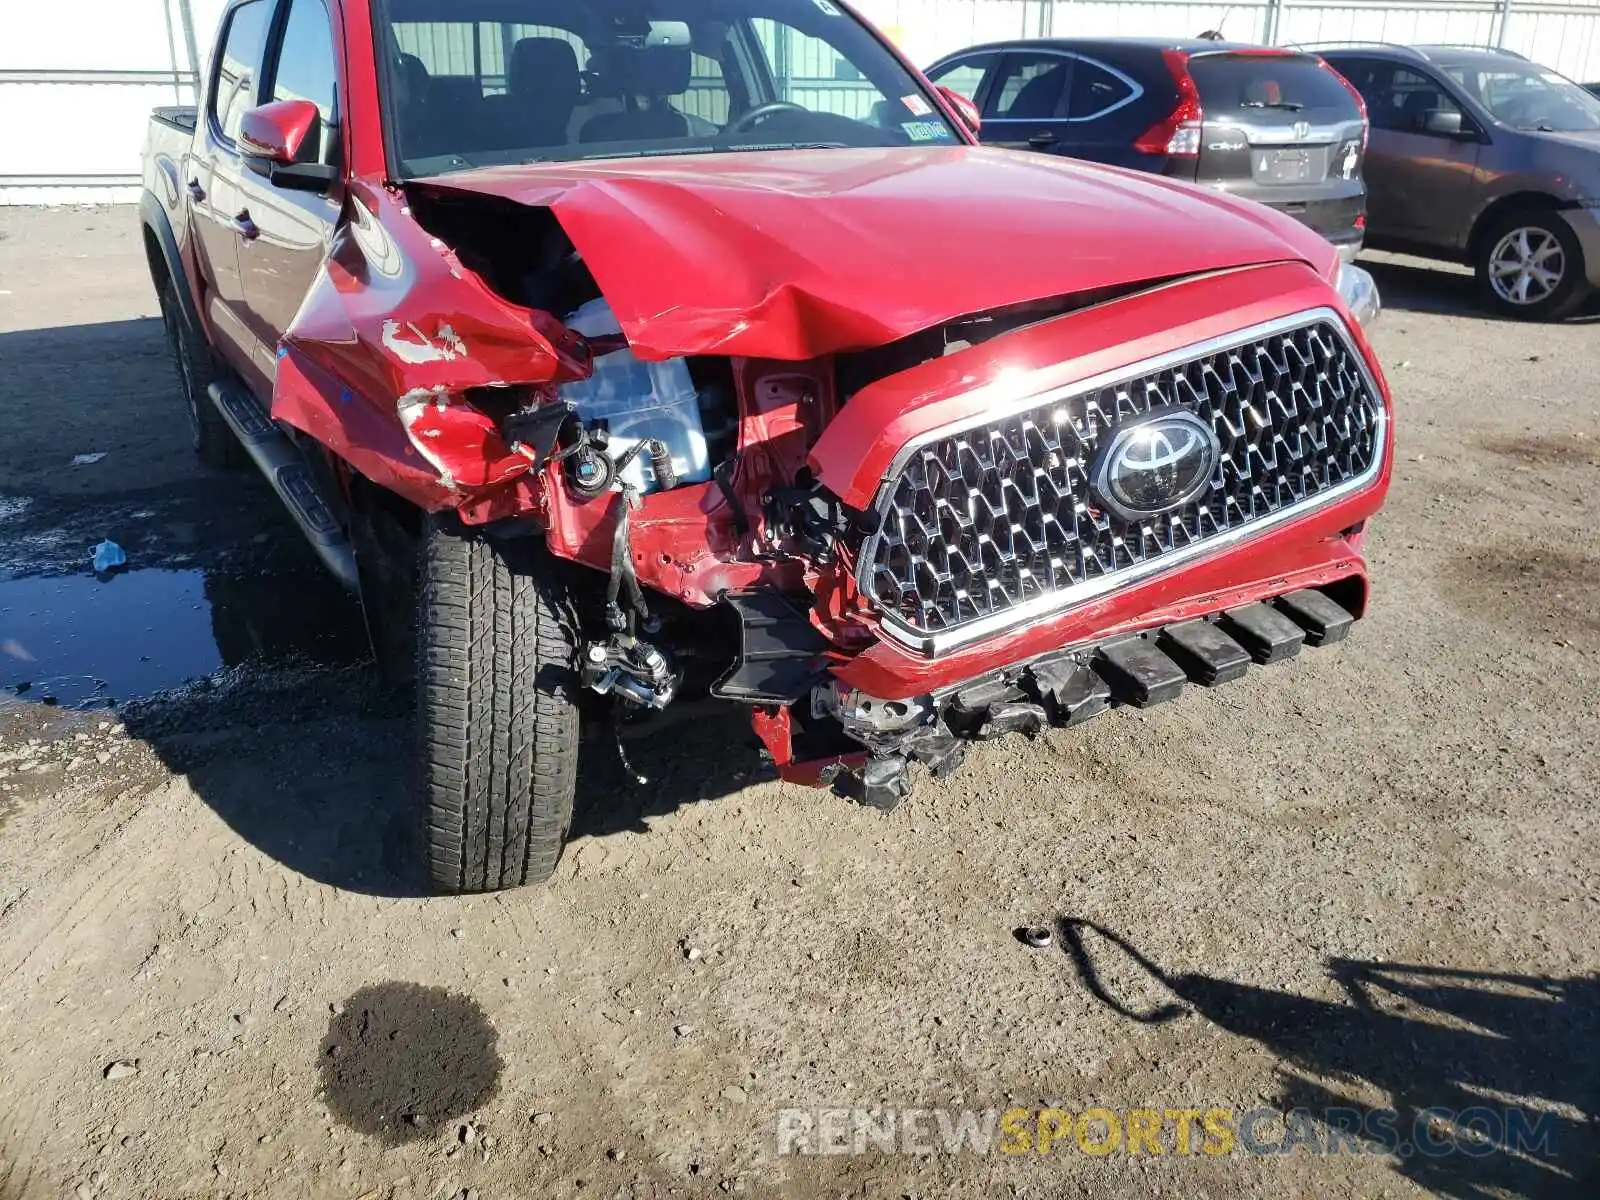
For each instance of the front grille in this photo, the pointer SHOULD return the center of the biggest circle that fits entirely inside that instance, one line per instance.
(996, 523)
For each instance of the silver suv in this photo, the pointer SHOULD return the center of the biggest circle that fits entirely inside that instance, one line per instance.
(1485, 158)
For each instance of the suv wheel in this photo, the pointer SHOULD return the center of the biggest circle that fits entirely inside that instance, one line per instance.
(495, 709)
(1530, 266)
(212, 439)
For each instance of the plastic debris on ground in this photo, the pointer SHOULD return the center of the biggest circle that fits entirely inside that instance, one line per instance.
(108, 556)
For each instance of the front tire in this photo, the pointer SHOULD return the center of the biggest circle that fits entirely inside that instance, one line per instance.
(1530, 267)
(496, 710)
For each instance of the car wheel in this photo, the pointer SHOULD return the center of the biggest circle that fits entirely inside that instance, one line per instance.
(1530, 266)
(496, 710)
(209, 433)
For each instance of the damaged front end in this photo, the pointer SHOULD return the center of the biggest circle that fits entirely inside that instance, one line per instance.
(883, 524)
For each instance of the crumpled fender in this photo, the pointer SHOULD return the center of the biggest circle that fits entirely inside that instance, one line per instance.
(392, 332)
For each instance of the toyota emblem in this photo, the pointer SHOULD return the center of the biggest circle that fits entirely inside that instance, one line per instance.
(1156, 464)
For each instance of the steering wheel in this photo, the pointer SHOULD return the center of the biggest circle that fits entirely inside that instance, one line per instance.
(761, 112)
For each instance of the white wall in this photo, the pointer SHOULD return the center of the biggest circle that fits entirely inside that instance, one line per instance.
(96, 130)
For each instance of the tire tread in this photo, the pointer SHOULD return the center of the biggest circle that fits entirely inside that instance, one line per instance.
(497, 723)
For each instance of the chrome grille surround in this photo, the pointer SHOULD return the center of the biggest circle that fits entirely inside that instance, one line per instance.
(992, 523)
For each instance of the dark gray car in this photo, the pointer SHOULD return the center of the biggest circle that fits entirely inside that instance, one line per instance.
(1485, 158)
(1271, 125)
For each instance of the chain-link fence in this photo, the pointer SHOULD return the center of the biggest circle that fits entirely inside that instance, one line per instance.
(79, 77)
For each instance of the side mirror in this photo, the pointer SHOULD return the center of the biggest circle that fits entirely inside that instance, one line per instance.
(965, 109)
(271, 137)
(275, 132)
(1444, 122)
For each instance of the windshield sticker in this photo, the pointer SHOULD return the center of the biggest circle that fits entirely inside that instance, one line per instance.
(827, 6)
(917, 105)
(925, 131)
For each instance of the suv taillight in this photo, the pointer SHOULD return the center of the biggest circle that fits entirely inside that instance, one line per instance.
(1361, 105)
(1178, 133)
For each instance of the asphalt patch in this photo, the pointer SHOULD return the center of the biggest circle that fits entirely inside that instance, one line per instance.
(402, 1059)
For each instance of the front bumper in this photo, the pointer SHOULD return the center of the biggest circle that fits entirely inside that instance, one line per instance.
(1060, 666)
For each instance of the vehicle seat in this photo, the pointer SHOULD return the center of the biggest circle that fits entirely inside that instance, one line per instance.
(411, 102)
(1039, 96)
(653, 72)
(1417, 105)
(542, 89)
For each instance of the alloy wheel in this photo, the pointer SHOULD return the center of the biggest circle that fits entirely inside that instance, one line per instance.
(1527, 265)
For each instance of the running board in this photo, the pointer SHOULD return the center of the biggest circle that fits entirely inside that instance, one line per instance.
(290, 477)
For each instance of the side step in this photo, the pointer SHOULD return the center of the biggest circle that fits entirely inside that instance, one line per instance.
(290, 477)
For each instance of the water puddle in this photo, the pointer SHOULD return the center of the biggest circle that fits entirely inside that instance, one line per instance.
(78, 640)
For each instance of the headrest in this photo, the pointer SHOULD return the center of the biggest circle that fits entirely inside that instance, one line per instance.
(543, 63)
(647, 70)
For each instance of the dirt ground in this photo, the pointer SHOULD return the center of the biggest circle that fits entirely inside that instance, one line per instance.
(1370, 876)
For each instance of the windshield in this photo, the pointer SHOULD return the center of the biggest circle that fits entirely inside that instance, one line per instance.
(470, 83)
(1529, 97)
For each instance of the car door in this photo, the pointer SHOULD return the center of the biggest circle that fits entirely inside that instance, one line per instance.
(966, 74)
(1417, 181)
(284, 234)
(215, 176)
(1025, 103)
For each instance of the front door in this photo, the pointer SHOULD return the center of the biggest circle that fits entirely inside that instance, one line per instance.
(287, 233)
(214, 180)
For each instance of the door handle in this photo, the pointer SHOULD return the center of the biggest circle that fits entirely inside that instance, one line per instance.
(1044, 138)
(246, 227)
(196, 192)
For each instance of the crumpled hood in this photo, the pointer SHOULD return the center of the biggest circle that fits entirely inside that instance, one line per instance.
(795, 254)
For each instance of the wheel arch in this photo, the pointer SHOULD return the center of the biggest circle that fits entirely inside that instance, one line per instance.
(165, 259)
(1503, 205)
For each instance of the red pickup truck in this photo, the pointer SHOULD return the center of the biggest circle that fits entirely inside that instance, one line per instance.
(631, 353)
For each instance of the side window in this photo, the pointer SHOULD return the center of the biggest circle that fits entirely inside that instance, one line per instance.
(1031, 87)
(307, 69)
(964, 75)
(1398, 98)
(1095, 89)
(242, 46)
(1359, 72)
(707, 97)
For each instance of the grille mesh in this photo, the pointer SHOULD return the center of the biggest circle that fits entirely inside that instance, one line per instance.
(999, 516)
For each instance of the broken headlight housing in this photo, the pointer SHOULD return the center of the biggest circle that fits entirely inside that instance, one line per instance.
(1359, 292)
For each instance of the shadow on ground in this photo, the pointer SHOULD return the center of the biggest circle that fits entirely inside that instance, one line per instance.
(324, 781)
(1492, 1077)
(1418, 286)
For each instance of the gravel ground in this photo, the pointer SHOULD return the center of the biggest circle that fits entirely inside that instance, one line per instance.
(1367, 877)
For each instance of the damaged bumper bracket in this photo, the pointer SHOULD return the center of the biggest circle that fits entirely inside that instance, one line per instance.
(1066, 689)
